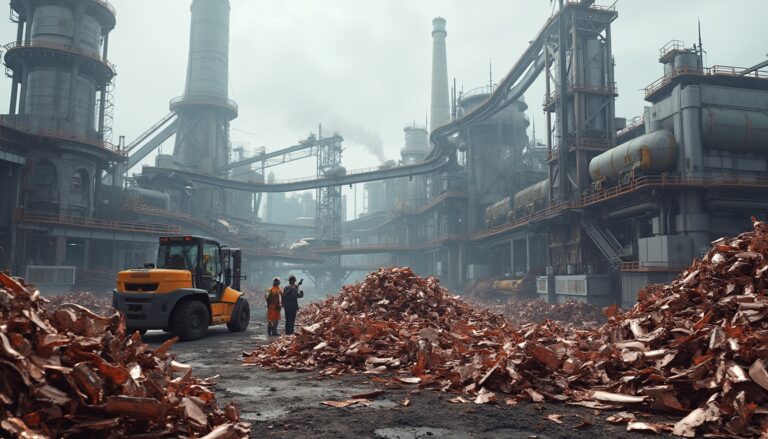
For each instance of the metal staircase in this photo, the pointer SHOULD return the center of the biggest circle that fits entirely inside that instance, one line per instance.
(608, 245)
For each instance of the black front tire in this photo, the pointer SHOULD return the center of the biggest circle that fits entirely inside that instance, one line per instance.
(190, 320)
(241, 316)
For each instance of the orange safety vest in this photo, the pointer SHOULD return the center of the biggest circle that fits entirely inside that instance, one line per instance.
(274, 302)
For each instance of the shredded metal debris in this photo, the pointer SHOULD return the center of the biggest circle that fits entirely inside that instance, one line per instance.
(69, 372)
(695, 348)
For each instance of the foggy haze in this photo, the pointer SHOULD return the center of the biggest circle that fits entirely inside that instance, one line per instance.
(363, 68)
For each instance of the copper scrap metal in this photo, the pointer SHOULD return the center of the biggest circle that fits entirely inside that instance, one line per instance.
(100, 304)
(69, 372)
(695, 348)
(525, 311)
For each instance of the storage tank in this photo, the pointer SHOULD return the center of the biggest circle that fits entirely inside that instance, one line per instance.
(654, 152)
(498, 213)
(734, 130)
(535, 195)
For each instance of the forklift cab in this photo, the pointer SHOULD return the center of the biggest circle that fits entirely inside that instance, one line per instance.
(208, 262)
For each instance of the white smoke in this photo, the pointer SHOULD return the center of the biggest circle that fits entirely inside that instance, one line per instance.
(358, 135)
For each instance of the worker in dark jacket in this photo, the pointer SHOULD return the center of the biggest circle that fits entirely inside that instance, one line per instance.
(291, 296)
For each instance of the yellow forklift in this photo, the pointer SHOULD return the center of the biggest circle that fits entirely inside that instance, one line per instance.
(194, 284)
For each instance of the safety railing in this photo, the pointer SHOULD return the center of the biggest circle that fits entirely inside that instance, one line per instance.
(44, 218)
(591, 6)
(717, 70)
(205, 100)
(633, 123)
(35, 125)
(93, 55)
(671, 46)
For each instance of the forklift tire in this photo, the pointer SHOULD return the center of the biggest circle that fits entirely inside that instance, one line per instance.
(241, 316)
(190, 320)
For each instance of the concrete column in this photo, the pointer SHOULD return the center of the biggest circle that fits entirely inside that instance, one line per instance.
(61, 250)
(527, 253)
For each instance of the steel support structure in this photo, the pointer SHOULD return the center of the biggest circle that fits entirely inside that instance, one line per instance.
(583, 102)
(329, 277)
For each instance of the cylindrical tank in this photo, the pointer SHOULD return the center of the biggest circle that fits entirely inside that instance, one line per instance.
(147, 197)
(688, 60)
(532, 195)
(497, 214)
(208, 70)
(734, 130)
(90, 35)
(654, 152)
(54, 25)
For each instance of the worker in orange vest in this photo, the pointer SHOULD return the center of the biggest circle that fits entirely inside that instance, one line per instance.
(274, 304)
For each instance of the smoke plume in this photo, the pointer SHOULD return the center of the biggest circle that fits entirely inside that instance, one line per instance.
(358, 135)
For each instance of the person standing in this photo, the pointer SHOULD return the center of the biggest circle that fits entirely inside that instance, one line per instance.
(291, 296)
(274, 303)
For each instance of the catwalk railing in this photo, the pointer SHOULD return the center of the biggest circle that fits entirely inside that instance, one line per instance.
(94, 223)
(726, 71)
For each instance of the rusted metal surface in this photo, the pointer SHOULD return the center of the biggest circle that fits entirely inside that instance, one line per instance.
(66, 371)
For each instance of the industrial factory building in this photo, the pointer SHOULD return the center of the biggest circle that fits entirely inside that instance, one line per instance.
(597, 209)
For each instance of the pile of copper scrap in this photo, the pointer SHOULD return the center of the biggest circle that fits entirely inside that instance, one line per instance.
(69, 372)
(696, 348)
(525, 311)
(98, 303)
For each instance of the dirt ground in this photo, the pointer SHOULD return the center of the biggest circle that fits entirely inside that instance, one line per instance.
(283, 404)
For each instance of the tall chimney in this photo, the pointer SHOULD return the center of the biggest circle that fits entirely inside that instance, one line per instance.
(441, 110)
(205, 110)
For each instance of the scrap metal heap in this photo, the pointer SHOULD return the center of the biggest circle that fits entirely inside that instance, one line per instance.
(68, 372)
(694, 348)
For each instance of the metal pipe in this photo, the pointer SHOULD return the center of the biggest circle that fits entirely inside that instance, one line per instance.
(14, 93)
(637, 209)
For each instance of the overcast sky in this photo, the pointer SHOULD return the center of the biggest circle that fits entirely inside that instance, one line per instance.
(364, 66)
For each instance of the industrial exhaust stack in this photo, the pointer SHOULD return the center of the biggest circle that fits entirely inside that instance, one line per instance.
(205, 110)
(440, 113)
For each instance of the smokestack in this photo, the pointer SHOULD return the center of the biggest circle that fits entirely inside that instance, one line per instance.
(204, 112)
(441, 110)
